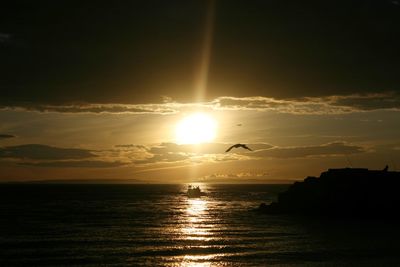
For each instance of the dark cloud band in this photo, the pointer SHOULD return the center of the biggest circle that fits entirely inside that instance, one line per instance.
(75, 164)
(6, 136)
(43, 152)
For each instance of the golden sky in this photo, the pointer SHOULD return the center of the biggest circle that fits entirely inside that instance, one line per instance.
(290, 140)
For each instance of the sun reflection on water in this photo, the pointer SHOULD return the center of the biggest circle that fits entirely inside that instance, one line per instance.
(197, 230)
(197, 206)
(196, 226)
(187, 262)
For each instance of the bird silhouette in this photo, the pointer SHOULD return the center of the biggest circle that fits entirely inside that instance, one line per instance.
(237, 146)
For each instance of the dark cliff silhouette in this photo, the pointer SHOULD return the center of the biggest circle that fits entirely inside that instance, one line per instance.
(348, 192)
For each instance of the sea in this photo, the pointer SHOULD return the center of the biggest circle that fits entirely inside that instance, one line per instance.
(158, 225)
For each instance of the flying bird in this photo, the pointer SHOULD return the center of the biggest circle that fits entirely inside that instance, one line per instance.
(237, 146)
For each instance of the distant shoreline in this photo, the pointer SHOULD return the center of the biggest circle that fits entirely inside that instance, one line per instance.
(134, 183)
(138, 182)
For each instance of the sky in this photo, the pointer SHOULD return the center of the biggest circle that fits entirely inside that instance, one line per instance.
(97, 91)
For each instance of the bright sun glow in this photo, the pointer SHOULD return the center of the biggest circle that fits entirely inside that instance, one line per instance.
(196, 129)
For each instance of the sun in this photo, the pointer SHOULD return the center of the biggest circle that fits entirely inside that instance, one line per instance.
(196, 128)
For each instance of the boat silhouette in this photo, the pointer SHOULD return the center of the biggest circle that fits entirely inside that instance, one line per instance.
(194, 192)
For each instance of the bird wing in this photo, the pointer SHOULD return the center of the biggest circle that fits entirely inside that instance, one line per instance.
(229, 149)
(246, 147)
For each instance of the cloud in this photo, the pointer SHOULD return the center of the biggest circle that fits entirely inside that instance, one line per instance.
(367, 102)
(131, 146)
(47, 156)
(173, 153)
(164, 153)
(215, 152)
(330, 149)
(43, 152)
(6, 136)
(206, 148)
(163, 108)
(163, 158)
(334, 104)
(241, 177)
(121, 155)
(208, 152)
(97, 108)
(76, 164)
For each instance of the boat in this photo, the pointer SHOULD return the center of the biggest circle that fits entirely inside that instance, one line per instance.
(194, 191)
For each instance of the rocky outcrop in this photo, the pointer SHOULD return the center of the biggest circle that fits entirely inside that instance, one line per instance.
(345, 192)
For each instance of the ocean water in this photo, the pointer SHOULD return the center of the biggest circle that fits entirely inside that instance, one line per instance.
(157, 225)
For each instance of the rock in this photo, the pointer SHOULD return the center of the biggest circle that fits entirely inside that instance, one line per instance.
(348, 192)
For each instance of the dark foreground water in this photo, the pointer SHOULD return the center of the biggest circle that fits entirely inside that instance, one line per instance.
(157, 225)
